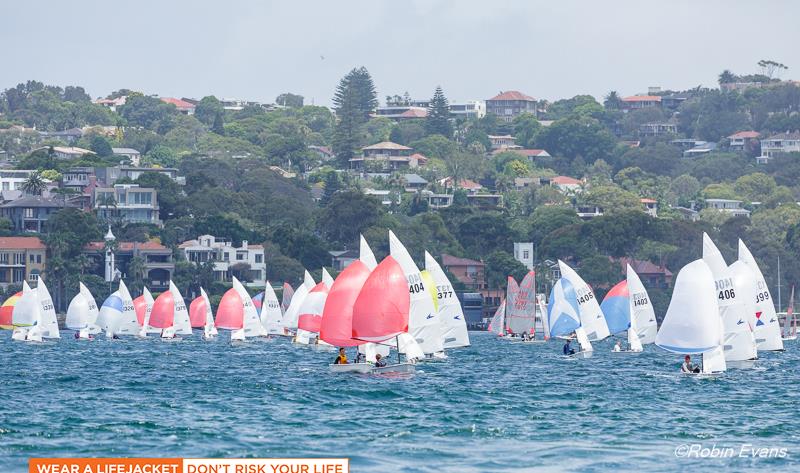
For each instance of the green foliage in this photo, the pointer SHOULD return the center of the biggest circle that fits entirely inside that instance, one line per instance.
(101, 146)
(354, 100)
(208, 109)
(149, 112)
(572, 138)
(438, 120)
(526, 126)
(347, 214)
(501, 264)
(288, 99)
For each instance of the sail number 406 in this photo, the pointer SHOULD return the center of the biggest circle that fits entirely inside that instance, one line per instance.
(726, 294)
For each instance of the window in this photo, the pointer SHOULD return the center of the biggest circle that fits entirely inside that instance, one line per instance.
(239, 256)
(31, 258)
(526, 254)
(19, 258)
(39, 259)
(3, 258)
(27, 213)
(5, 186)
(259, 258)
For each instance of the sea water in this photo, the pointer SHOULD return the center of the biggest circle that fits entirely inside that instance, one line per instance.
(495, 406)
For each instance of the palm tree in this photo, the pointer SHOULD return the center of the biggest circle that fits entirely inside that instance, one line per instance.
(613, 101)
(34, 184)
(727, 77)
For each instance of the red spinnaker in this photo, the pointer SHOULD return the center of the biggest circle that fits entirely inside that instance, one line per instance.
(381, 309)
(337, 317)
(230, 313)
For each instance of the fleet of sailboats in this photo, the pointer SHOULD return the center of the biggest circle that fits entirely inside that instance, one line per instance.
(724, 313)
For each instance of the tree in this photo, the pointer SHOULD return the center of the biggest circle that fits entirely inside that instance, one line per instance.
(727, 77)
(526, 126)
(577, 138)
(347, 214)
(612, 101)
(218, 126)
(207, 110)
(500, 265)
(332, 186)
(769, 67)
(438, 120)
(289, 100)
(34, 184)
(101, 146)
(354, 100)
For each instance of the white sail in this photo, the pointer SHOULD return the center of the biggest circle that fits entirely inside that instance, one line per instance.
(49, 322)
(423, 320)
(271, 311)
(543, 316)
(148, 301)
(209, 329)
(497, 324)
(634, 342)
(642, 313)
(739, 344)
(26, 311)
(365, 254)
(692, 324)
(128, 323)
(251, 324)
(327, 278)
(744, 280)
(369, 350)
(583, 340)
(289, 319)
(82, 311)
(409, 347)
(714, 361)
(452, 316)
(180, 322)
(592, 319)
(767, 329)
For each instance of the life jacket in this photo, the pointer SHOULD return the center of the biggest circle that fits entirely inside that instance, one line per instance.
(341, 359)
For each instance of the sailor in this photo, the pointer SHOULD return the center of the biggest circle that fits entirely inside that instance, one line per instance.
(361, 358)
(617, 346)
(688, 367)
(341, 359)
(379, 362)
(567, 349)
(525, 336)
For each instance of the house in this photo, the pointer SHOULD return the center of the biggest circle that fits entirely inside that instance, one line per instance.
(503, 142)
(485, 200)
(700, 150)
(414, 182)
(638, 102)
(650, 206)
(673, 101)
(465, 184)
(384, 196)
(509, 105)
(525, 182)
(134, 156)
(438, 201)
(563, 183)
(388, 156)
(31, 212)
(67, 136)
(400, 112)
(657, 129)
(186, 108)
(587, 212)
(246, 262)
(12, 179)
(530, 154)
(652, 275)
(687, 143)
(67, 152)
(342, 259)
(157, 263)
(523, 252)
(687, 213)
(323, 153)
(21, 259)
(781, 143)
(469, 272)
(127, 203)
(733, 207)
(473, 109)
(742, 140)
(282, 172)
(112, 104)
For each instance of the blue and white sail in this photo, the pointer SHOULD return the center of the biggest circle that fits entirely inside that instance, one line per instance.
(592, 319)
(563, 314)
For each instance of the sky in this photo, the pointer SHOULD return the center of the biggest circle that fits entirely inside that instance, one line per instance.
(474, 49)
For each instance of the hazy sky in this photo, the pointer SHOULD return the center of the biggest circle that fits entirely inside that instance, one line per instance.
(472, 48)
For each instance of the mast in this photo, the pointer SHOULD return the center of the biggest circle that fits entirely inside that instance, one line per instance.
(779, 282)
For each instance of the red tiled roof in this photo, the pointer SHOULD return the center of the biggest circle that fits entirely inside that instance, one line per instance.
(743, 135)
(386, 145)
(565, 180)
(21, 243)
(642, 98)
(644, 267)
(177, 102)
(128, 246)
(648, 201)
(513, 95)
(419, 157)
(448, 260)
(414, 113)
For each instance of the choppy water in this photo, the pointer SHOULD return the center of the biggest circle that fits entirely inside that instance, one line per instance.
(495, 406)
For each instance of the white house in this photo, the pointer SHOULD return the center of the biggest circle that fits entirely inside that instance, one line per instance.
(781, 143)
(133, 155)
(733, 207)
(245, 262)
(12, 179)
(523, 252)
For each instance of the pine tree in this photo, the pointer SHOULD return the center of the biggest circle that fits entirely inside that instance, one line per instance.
(219, 126)
(438, 120)
(354, 101)
(332, 186)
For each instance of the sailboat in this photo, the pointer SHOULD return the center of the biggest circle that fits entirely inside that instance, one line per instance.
(82, 314)
(143, 305)
(692, 324)
(270, 313)
(201, 316)
(336, 327)
(424, 322)
(237, 313)
(521, 315)
(498, 322)
(451, 314)
(7, 312)
(564, 317)
(739, 343)
(310, 314)
(47, 324)
(293, 311)
(327, 278)
(789, 331)
(117, 315)
(512, 289)
(627, 308)
(25, 313)
(542, 316)
(767, 330)
(381, 312)
(286, 297)
(592, 319)
(370, 350)
(170, 314)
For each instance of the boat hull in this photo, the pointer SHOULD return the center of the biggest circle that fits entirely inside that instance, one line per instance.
(351, 368)
(398, 368)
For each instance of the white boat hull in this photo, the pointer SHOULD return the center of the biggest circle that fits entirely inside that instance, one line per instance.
(398, 368)
(581, 354)
(351, 368)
